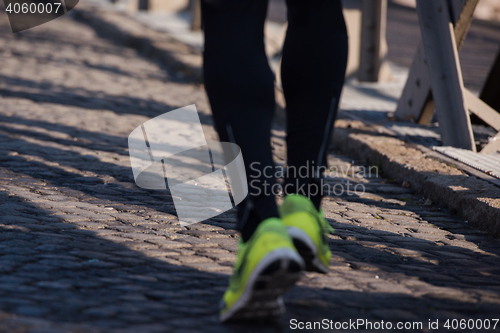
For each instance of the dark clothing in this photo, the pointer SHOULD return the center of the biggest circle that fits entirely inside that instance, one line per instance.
(240, 87)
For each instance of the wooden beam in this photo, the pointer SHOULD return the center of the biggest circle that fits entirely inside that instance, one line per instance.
(195, 7)
(438, 39)
(373, 50)
(428, 112)
(482, 110)
(493, 146)
(417, 91)
(463, 11)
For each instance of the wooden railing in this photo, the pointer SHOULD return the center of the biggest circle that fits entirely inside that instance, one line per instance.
(373, 65)
(435, 81)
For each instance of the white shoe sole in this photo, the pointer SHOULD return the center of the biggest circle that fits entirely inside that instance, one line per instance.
(277, 272)
(307, 250)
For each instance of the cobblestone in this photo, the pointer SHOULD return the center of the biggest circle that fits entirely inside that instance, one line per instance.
(83, 249)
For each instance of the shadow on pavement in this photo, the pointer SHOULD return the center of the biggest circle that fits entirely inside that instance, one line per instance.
(55, 271)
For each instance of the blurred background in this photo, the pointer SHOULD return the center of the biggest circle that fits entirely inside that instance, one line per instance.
(402, 30)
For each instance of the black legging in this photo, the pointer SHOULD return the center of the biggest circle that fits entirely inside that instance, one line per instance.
(240, 87)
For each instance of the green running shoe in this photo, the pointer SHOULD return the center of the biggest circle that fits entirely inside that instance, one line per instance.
(267, 265)
(308, 229)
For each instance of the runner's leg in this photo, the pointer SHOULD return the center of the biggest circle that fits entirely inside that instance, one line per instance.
(313, 70)
(240, 87)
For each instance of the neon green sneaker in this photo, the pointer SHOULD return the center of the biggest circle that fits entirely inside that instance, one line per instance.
(308, 229)
(267, 265)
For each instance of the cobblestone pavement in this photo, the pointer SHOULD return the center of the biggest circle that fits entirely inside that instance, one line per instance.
(83, 249)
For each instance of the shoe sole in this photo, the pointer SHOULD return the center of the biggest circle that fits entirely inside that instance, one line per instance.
(277, 272)
(307, 250)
